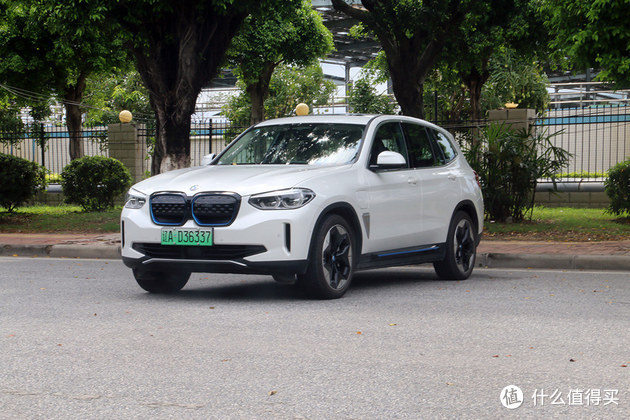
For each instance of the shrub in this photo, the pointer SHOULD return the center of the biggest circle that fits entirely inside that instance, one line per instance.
(617, 187)
(20, 180)
(509, 164)
(94, 182)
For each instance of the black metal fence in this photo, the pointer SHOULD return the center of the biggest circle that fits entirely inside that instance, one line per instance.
(598, 137)
(48, 144)
(205, 137)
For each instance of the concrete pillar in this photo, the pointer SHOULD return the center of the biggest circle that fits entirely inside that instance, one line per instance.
(126, 145)
(517, 118)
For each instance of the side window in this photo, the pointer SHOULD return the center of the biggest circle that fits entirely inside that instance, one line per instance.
(445, 145)
(388, 137)
(420, 151)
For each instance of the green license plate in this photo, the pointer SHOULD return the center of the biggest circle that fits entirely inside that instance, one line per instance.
(182, 236)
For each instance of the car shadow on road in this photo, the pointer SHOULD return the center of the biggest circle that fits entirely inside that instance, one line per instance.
(263, 288)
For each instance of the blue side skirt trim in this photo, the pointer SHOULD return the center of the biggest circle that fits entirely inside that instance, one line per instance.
(406, 256)
(412, 251)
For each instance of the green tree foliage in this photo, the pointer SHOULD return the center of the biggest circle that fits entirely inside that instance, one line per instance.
(365, 99)
(20, 180)
(445, 44)
(412, 33)
(514, 78)
(289, 86)
(493, 28)
(452, 104)
(94, 182)
(9, 113)
(292, 34)
(51, 48)
(592, 34)
(107, 95)
(179, 48)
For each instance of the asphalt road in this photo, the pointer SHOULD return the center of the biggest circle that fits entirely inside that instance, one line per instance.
(79, 339)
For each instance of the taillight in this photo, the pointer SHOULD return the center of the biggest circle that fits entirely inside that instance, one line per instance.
(477, 179)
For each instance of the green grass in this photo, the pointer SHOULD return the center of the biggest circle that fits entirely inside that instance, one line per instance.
(560, 224)
(583, 175)
(62, 219)
(53, 178)
(563, 224)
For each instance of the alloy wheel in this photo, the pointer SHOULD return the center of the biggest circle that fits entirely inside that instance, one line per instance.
(337, 257)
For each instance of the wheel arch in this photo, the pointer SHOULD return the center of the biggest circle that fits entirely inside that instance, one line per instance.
(346, 211)
(468, 207)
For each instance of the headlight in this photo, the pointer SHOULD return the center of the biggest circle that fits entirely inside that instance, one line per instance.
(282, 200)
(135, 199)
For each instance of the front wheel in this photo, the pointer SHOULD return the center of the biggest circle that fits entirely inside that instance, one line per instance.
(161, 281)
(461, 249)
(331, 264)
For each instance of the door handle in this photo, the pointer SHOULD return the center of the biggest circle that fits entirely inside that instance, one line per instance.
(412, 181)
(452, 177)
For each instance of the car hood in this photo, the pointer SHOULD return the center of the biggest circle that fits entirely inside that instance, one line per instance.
(242, 179)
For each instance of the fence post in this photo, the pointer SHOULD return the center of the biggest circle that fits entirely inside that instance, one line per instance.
(126, 145)
(516, 118)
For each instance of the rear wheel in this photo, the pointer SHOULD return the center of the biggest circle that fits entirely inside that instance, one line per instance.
(161, 281)
(331, 262)
(461, 249)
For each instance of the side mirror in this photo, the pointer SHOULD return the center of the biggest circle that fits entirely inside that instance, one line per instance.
(207, 159)
(390, 160)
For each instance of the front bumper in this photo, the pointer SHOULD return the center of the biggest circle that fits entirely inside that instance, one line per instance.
(257, 242)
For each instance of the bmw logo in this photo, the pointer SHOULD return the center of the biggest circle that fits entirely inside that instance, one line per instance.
(194, 188)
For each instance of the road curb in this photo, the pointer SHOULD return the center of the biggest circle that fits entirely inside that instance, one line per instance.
(485, 260)
(109, 252)
(554, 261)
(25, 250)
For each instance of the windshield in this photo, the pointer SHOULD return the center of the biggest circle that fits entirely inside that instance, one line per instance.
(307, 144)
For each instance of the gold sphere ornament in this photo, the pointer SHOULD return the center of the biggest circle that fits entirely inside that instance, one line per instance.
(125, 116)
(301, 109)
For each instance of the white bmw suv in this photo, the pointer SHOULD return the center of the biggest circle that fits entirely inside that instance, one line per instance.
(310, 200)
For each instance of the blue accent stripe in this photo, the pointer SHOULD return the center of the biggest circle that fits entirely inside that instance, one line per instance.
(575, 120)
(413, 251)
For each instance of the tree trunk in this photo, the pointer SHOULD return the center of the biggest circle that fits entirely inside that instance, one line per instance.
(72, 98)
(474, 81)
(409, 68)
(258, 92)
(181, 55)
(409, 92)
(410, 57)
(172, 144)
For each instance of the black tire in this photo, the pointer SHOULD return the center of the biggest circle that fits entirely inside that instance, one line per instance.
(461, 249)
(161, 281)
(331, 260)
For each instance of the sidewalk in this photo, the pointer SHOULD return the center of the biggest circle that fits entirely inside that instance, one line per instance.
(608, 255)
